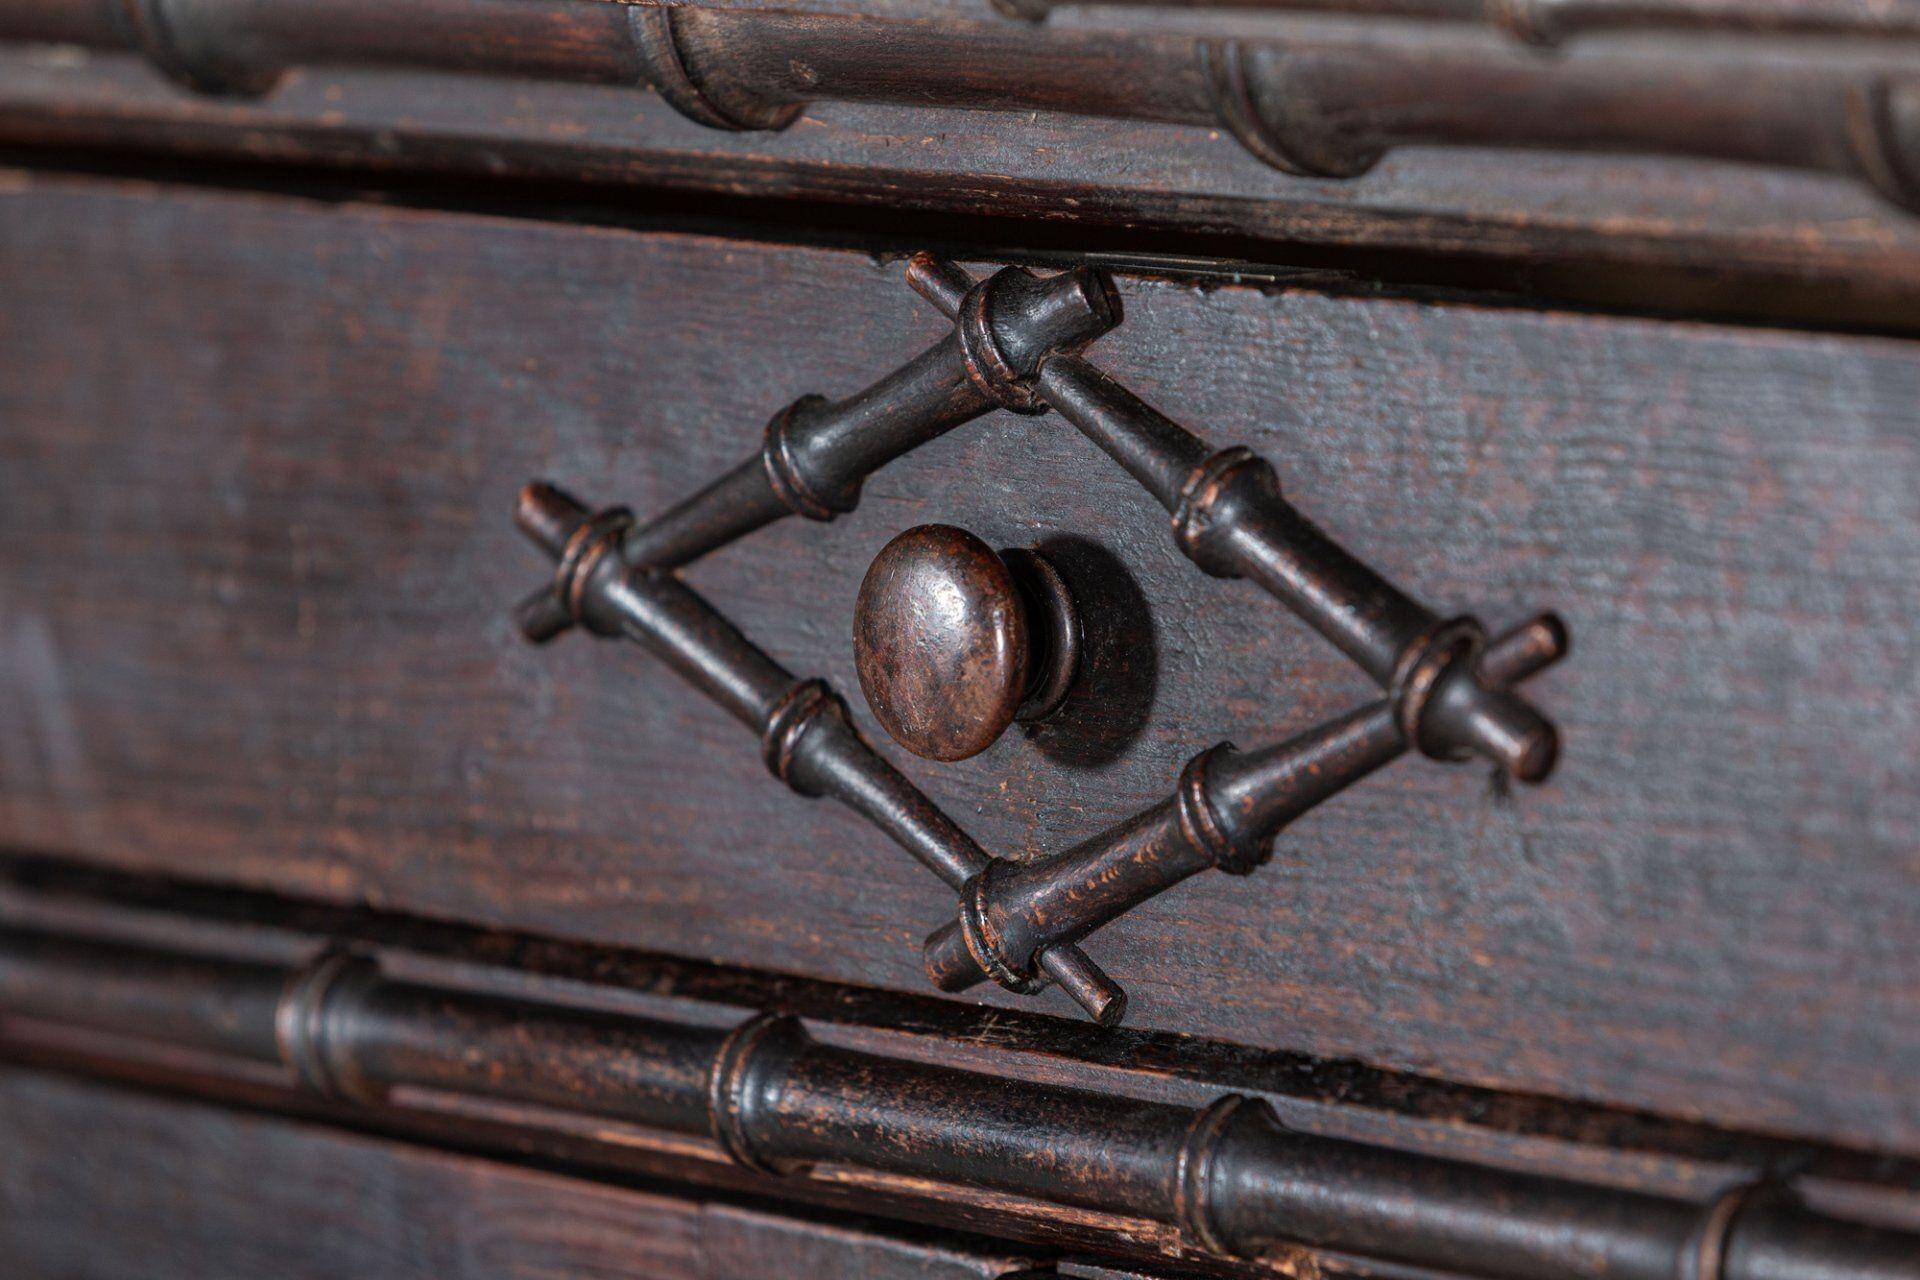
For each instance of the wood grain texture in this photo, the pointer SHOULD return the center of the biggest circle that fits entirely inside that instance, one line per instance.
(256, 554)
(103, 1183)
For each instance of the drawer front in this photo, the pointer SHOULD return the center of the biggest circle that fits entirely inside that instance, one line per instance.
(258, 557)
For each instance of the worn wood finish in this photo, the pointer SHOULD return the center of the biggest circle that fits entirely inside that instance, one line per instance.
(1620, 230)
(778, 1101)
(109, 1183)
(258, 578)
(1549, 22)
(1664, 1158)
(1326, 101)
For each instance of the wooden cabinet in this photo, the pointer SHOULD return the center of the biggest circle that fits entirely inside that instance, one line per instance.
(314, 864)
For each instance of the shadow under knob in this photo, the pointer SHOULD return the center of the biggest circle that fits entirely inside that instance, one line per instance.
(954, 641)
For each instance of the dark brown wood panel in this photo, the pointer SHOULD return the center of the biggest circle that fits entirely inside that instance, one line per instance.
(104, 1183)
(257, 461)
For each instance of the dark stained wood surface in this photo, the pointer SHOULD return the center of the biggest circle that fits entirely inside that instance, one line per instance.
(257, 463)
(778, 1100)
(103, 1183)
(1617, 230)
(1304, 96)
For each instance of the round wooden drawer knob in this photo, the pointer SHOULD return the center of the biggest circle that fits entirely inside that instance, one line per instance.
(954, 641)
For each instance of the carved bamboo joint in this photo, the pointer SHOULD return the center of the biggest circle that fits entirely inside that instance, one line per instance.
(1225, 813)
(1312, 97)
(806, 737)
(816, 452)
(773, 1099)
(1230, 518)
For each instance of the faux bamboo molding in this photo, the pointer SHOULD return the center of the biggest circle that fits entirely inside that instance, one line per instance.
(1318, 99)
(1550, 22)
(1015, 345)
(774, 1099)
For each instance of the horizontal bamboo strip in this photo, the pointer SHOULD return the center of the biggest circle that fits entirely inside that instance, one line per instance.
(1316, 98)
(1228, 1174)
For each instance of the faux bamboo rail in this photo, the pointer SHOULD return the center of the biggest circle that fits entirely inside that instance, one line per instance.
(776, 1100)
(1316, 98)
